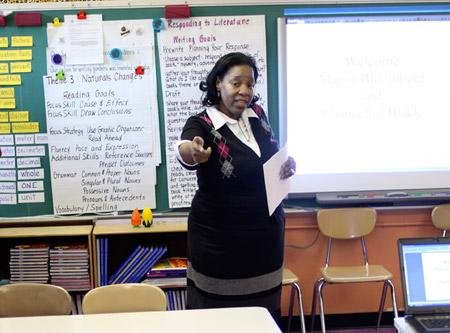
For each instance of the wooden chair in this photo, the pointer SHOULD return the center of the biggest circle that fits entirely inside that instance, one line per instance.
(440, 216)
(127, 297)
(345, 224)
(34, 299)
(290, 279)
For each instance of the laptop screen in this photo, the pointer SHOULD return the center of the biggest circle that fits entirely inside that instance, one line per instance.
(425, 269)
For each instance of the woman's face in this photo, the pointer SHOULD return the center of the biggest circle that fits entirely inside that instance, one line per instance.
(236, 90)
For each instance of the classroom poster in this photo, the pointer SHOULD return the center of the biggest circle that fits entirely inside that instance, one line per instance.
(102, 123)
(188, 49)
(135, 41)
(100, 143)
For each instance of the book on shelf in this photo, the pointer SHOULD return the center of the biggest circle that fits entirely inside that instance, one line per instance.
(73, 286)
(30, 280)
(29, 273)
(167, 281)
(183, 299)
(137, 264)
(118, 274)
(170, 300)
(25, 263)
(27, 248)
(67, 259)
(157, 253)
(97, 262)
(176, 299)
(100, 261)
(148, 251)
(69, 270)
(29, 255)
(28, 269)
(169, 267)
(104, 261)
(77, 300)
(74, 305)
(73, 265)
(69, 255)
(69, 251)
(71, 248)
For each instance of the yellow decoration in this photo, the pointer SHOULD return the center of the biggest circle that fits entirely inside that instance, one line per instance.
(147, 217)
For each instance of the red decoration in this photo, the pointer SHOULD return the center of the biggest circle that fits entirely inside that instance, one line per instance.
(136, 218)
(81, 15)
(139, 70)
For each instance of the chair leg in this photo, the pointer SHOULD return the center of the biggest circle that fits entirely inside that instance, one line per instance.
(383, 299)
(322, 312)
(394, 301)
(291, 307)
(314, 303)
(300, 308)
(296, 288)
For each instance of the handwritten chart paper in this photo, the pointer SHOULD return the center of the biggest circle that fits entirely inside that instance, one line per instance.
(137, 49)
(102, 122)
(188, 49)
(100, 142)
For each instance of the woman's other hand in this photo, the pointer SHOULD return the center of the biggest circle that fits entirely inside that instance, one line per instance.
(288, 168)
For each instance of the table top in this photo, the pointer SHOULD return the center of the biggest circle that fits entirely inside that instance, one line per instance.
(223, 320)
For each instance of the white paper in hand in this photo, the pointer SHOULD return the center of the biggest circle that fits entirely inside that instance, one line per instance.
(276, 188)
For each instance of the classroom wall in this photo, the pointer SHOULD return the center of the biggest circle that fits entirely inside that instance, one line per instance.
(392, 224)
(301, 230)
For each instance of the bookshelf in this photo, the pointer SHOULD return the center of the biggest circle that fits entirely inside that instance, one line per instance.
(123, 238)
(55, 235)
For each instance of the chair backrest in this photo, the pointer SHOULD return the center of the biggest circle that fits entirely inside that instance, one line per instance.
(34, 299)
(346, 223)
(127, 297)
(440, 216)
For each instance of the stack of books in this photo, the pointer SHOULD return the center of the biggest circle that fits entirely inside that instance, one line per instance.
(168, 272)
(69, 267)
(29, 263)
(137, 264)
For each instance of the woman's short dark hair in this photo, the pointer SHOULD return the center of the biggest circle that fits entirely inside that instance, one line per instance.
(219, 70)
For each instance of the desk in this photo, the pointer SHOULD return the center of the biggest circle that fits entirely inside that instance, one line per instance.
(224, 320)
(401, 325)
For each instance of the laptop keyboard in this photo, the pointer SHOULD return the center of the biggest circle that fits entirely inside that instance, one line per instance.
(440, 322)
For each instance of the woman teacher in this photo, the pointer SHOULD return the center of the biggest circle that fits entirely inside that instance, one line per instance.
(235, 248)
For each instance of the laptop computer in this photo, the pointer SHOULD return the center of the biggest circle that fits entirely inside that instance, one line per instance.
(425, 273)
